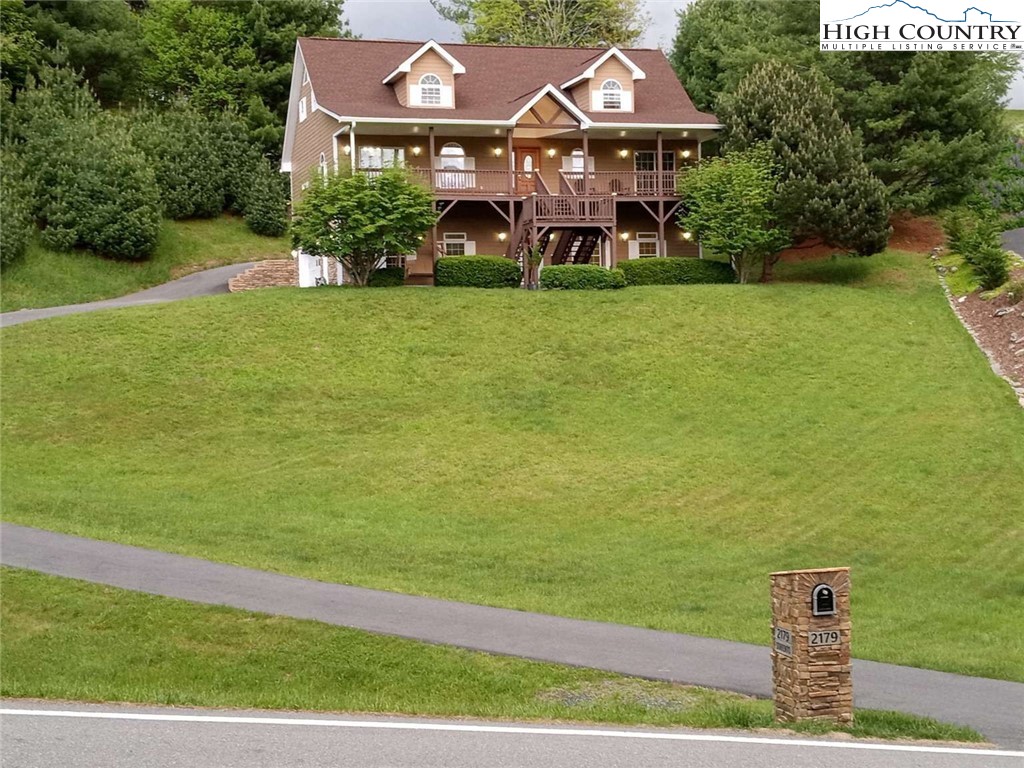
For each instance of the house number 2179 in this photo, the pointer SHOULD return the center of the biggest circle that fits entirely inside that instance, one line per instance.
(826, 637)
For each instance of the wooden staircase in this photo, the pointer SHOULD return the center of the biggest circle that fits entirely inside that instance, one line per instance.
(575, 246)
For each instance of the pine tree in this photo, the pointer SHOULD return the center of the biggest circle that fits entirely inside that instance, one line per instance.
(825, 191)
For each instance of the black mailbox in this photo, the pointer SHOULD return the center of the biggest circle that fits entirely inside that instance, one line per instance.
(823, 601)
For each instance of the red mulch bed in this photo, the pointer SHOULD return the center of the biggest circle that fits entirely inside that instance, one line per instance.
(909, 233)
(1003, 336)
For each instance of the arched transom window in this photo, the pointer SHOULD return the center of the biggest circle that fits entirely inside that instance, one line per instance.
(430, 89)
(453, 157)
(611, 94)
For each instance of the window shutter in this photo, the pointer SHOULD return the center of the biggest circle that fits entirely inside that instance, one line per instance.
(414, 94)
(470, 164)
(634, 249)
(627, 101)
(471, 248)
(566, 162)
(447, 96)
(590, 163)
(596, 100)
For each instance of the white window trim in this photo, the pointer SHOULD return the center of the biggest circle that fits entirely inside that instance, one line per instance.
(323, 164)
(458, 238)
(615, 91)
(646, 238)
(305, 76)
(302, 109)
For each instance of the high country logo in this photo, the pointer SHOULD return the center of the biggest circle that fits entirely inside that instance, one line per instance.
(945, 25)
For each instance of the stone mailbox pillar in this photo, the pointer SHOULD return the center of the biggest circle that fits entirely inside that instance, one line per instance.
(811, 645)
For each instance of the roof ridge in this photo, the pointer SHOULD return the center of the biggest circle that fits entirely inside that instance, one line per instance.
(472, 45)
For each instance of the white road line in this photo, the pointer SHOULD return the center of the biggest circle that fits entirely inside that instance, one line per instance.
(510, 729)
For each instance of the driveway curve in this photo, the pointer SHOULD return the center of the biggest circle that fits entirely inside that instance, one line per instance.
(993, 707)
(209, 282)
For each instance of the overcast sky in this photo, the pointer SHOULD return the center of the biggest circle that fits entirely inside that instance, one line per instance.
(417, 20)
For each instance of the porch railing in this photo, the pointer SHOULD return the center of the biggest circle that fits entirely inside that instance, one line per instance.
(626, 183)
(554, 209)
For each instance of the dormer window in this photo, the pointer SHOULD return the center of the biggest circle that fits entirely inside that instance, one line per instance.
(430, 90)
(611, 94)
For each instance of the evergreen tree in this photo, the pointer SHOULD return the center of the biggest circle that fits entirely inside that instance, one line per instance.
(824, 189)
(930, 122)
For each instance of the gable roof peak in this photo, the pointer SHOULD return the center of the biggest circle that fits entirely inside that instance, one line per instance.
(589, 72)
(406, 66)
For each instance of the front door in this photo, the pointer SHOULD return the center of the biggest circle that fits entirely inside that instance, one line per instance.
(527, 167)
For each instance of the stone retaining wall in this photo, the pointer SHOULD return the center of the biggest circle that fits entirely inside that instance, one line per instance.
(266, 274)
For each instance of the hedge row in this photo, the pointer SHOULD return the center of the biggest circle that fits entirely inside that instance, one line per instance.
(581, 277)
(676, 271)
(477, 272)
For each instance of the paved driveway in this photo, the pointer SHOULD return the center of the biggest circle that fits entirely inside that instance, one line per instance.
(205, 283)
(1014, 240)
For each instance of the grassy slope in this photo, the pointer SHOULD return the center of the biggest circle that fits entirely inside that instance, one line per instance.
(1014, 116)
(645, 456)
(67, 639)
(48, 278)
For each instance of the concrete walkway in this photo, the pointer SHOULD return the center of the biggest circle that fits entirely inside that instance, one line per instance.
(205, 283)
(993, 707)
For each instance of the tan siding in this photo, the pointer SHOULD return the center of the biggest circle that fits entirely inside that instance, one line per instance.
(581, 95)
(401, 86)
(312, 136)
(614, 69)
(478, 220)
(431, 63)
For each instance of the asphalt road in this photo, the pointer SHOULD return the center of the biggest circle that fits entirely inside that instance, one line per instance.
(1013, 240)
(993, 707)
(80, 735)
(205, 283)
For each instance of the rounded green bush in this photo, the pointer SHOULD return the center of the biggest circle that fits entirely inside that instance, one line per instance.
(477, 272)
(16, 194)
(581, 277)
(676, 271)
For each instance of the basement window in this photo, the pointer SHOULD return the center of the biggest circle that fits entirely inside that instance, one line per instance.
(647, 244)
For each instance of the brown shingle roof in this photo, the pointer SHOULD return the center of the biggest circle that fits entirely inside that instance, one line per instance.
(346, 76)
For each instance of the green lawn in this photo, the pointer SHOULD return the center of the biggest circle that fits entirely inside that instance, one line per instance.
(71, 640)
(644, 456)
(48, 278)
(1014, 117)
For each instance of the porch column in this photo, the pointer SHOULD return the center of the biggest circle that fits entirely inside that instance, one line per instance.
(659, 167)
(615, 246)
(433, 181)
(662, 244)
(586, 162)
(352, 147)
(511, 164)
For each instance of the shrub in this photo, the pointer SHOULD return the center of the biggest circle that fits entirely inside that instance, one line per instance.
(182, 147)
(264, 201)
(581, 277)
(676, 271)
(94, 188)
(16, 224)
(477, 272)
(1015, 292)
(388, 277)
(991, 265)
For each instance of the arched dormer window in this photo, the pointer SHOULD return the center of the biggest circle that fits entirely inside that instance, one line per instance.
(430, 89)
(611, 94)
(453, 157)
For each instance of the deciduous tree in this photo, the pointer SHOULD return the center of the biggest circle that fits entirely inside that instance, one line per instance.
(565, 23)
(360, 219)
(730, 207)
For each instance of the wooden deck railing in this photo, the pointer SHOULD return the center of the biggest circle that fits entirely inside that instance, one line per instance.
(625, 183)
(491, 183)
(554, 209)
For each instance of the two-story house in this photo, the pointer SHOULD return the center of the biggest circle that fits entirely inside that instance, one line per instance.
(576, 150)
